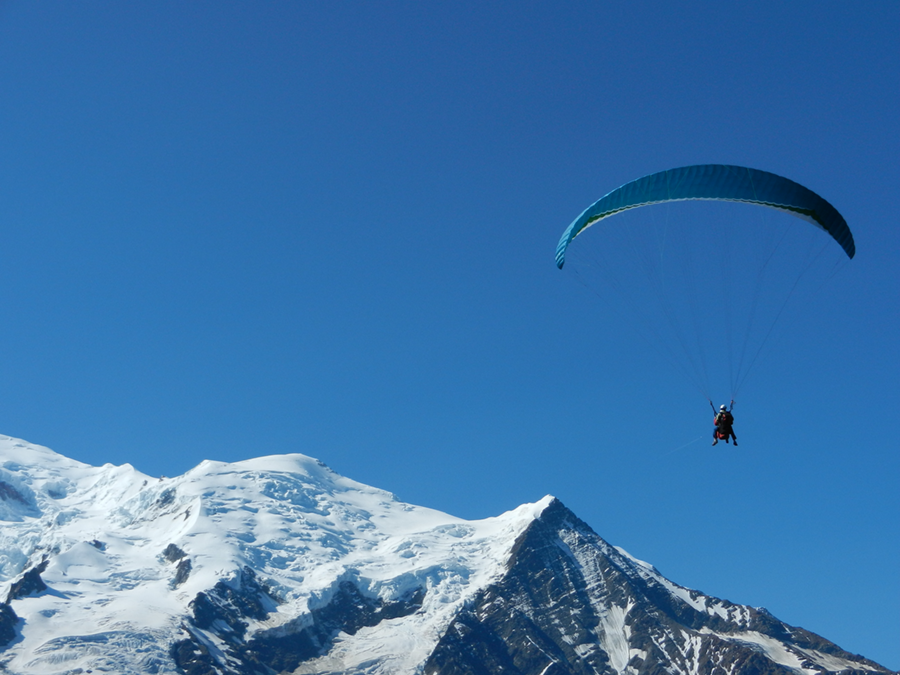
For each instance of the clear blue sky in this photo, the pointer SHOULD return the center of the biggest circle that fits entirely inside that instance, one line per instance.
(236, 229)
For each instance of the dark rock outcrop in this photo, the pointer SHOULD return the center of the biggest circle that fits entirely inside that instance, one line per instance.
(347, 612)
(223, 610)
(8, 621)
(231, 603)
(172, 553)
(182, 572)
(29, 583)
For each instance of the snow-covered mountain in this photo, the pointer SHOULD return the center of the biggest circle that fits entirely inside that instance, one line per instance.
(280, 565)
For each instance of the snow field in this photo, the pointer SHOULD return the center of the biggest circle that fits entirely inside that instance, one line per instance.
(300, 526)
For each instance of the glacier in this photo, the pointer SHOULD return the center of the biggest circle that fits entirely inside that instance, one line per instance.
(291, 519)
(279, 564)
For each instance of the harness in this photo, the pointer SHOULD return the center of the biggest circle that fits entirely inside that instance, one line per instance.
(724, 420)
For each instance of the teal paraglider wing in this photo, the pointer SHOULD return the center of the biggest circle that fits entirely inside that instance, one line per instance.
(717, 182)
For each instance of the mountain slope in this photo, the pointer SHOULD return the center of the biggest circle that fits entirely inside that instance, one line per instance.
(571, 603)
(278, 564)
(134, 564)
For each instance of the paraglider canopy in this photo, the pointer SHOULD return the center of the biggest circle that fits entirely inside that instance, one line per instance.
(719, 182)
(702, 277)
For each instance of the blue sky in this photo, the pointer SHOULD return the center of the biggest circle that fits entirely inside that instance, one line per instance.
(232, 229)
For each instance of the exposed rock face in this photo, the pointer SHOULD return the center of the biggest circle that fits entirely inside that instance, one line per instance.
(30, 583)
(568, 604)
(172, 553)
(571, 604)
(280, 565)
(223, 612)
(8, 621)
(182, 572)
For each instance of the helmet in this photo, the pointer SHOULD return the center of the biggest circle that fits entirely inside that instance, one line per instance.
(723, 407)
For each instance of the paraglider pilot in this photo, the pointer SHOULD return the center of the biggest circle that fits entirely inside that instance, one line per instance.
(723, 421)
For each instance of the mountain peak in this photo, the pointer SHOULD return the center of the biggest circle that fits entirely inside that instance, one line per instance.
(279, 564)
(571, 603)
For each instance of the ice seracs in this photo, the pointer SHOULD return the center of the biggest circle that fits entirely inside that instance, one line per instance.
(278, 564)
(101, 533)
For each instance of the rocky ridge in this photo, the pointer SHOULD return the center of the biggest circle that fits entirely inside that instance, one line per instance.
(280, 565)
